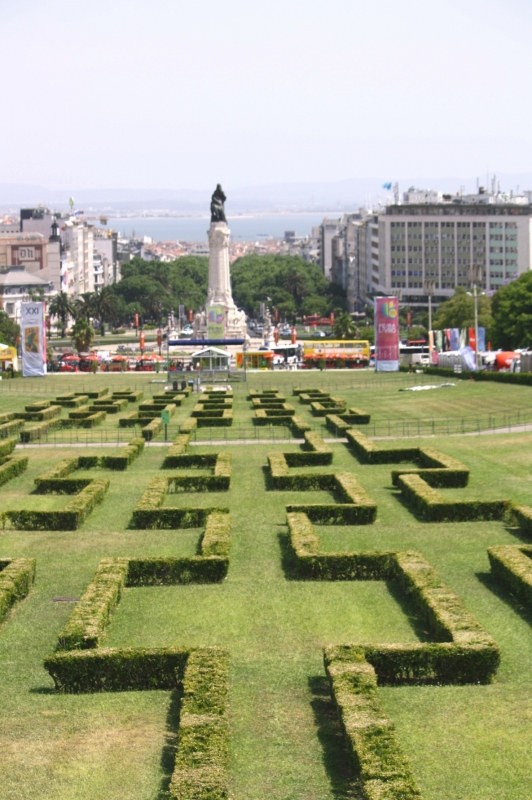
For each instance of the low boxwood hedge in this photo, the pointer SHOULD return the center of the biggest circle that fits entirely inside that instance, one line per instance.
(202, 758)
(16, 578)
(219, 481)
(430, 506)
(94, 394)
(332, 405)
(39, 415)
(68, 519)
(7, 447)
(176, 451)
(149, 514)
(151, 430)
(9, 427)
(511, 565)
(85, 628)
(35, 432)
(223, 421)
(110, 406)
(375, 753)
(189, 426)
(126, 456)
(71, 400)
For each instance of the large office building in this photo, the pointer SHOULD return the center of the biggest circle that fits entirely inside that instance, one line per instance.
(434, 240)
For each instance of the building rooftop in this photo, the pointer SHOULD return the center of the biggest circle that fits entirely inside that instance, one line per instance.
(18, 276)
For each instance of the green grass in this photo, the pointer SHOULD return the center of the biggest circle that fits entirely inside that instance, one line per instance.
(463, 742)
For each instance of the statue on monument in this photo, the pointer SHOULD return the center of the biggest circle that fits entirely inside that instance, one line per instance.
(217, 205)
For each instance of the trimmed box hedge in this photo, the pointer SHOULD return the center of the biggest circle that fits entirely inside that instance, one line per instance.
(11, 466)
(85, 628)
(202, 758)
(110, 406)
(223, 421)
(461, 651)
(151, 430)
(333, 405)
(16, 578)
(127, 455)
(375, 753)
(149, 514)
(430, 506)
(127, 394)
(521, 516)
(71, 400)
(7, 447)
(40, 414)
(94, 394)
(189, 426)
(511, 565)
(336, 423)
(356, 507)
(174, 453)
(69, 518)
(219, 481)
(38, 431)
(10, 426)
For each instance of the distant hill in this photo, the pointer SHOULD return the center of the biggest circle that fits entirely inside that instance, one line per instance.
(346, 194)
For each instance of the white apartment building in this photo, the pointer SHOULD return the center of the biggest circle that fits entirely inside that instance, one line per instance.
(441, 242)
(397, 249)
(88, 258)
(327, 230)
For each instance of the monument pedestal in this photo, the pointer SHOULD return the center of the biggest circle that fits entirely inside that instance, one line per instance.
(221, 319)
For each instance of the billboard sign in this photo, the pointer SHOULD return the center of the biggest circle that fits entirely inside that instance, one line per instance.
(33, 333)
(386, 334)
(216, 322)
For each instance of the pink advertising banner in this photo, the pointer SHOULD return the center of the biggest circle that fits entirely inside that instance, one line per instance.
(386, 334)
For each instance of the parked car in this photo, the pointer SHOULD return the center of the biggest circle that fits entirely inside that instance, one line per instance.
(319, 335)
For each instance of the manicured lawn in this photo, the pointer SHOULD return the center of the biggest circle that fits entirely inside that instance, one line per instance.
(464, 742)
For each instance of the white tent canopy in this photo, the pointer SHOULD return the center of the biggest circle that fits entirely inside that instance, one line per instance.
(211, 358)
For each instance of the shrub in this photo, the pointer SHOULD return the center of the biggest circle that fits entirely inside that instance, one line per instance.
(333, 405)
(149, 514)
(429, 504)
(189, 426)
(71, 400)
(152, 429)
(336, 423)
(202, 758)
(95, 394)
(375, 752)
(47, 413)
(38, 431)
(219, 481)
(127, 455)
(223, 421)
(7, 428)
(111, 406)
(69, 519)
(511, 565)
(7, 447)
(16, 578)
(176, 451)
(12, 466)
(86, 624)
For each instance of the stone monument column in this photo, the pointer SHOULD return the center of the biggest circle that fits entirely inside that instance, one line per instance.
(219, 278)
(219, 294)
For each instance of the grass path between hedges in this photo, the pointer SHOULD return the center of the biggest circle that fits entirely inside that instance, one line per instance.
(463, 742)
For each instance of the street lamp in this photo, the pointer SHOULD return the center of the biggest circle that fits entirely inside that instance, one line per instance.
(429, 287)
(475, 276)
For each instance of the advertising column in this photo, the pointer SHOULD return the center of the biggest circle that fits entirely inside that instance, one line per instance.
(33, 337)
(216, 322)
(386, 334)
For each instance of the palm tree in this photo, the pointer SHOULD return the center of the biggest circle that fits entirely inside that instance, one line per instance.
(62, 308)
(84, 305)
(82, 333)
(345, 328)
(104, 306)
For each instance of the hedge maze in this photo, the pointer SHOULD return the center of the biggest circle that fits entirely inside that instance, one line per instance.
(451, 646)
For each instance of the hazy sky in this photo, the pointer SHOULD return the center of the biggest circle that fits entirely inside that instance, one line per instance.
(183, 93)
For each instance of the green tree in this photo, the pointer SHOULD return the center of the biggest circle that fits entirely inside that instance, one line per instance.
(459, 311)
(105, 305)
(512, 314)
(345, 328)
(82, 333)
(9, 330)
(85, 305)
(61, 307)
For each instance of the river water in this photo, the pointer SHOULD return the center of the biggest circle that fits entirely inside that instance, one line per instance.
(245, 228)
